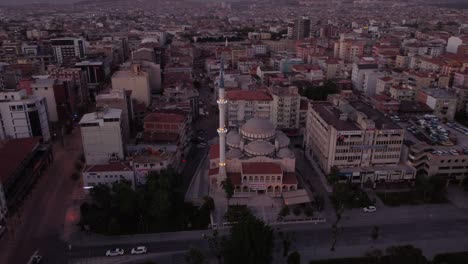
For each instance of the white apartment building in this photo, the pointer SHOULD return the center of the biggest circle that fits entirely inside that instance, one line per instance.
(23, 116)
(244, 105)
(285, 107)
(360, 141)
(101, 134)
(45, 87)
(358, 74)
(67, 48)
(369, 82)
(134, 80)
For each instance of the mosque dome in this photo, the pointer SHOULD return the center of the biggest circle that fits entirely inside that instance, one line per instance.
(283, 140)
(258, 128)
(259, 148)
(234, 154)
(233, 139)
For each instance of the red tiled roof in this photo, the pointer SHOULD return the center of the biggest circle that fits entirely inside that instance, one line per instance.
(13, 153)
(214, 171)
(289, 178)
(249, 95)
(261, 168)
(235, 178)
(113, 166)
(154, 137)
(165, 118)
(214, 151)
(386, 78)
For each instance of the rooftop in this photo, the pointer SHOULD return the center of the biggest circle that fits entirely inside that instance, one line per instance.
(165, 118)
(439, 93)
(112, 166)
(13, 153)
(381, 121)
(249, 95)
(331, 115)
(95, 117)
(261, 168)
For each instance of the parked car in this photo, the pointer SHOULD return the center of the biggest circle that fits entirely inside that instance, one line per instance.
(201, 145)
(139, 250)
(35, 258)
(114, 252)
(369, 209)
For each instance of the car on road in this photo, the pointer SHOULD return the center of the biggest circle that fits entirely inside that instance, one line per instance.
(115, 252)
(139, 250)
(35, 258)
(369, 209)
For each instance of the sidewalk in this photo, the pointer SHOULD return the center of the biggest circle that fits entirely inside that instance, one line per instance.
(128, 259)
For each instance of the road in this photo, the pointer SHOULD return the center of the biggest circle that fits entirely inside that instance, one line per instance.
(43, 212)
(314, 241)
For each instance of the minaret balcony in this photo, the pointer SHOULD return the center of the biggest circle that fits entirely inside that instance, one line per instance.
(222, 101)
(222, 130)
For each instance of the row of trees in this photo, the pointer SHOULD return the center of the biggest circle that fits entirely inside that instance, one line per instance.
(158, 206)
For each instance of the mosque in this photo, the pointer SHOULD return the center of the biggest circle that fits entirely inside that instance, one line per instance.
(256, 158)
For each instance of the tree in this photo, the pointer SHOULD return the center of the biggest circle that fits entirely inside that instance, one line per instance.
(309, 211)
(208, 204)
(287, 239)
(296, 210)
(114, 227)
(294, 258)
(319, 202)
(228, 188)
(405, 255)
(333, 177)
(251, 241)
(194, 256)
(375, 233)
(285, 211)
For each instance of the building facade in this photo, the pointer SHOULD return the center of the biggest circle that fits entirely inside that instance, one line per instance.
(23, 116)
(101, 134)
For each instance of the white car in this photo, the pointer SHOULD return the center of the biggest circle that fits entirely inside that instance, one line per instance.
(114, 252)
(139, 250)
(369, 209)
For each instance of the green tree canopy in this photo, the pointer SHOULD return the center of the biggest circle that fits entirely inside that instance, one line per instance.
(251, 241)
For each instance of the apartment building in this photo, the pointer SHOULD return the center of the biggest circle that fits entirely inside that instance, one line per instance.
(23, 116)
(66, 49)
(101, 134)
(442, 101)
(244, 105)
(358, 74)
(360, 141)
(134, 80)
(285, 106)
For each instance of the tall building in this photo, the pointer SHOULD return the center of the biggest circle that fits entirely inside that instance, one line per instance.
(66, 49)
(301, 28)
(101, 134)
(134, 80)
(360, 141)
(23, 116)
(119, 100)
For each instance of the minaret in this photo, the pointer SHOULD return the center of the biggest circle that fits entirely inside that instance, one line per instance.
(222, 102)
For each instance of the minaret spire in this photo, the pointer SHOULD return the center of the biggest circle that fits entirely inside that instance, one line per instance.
(222, 102)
